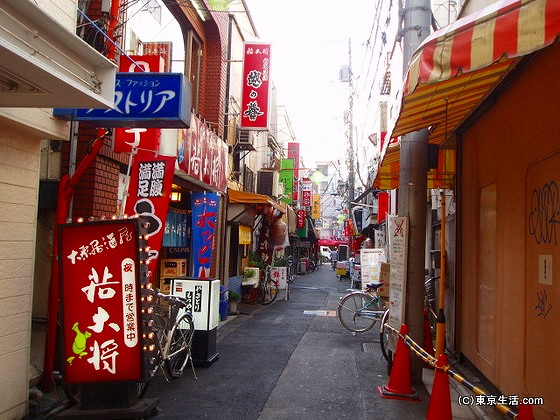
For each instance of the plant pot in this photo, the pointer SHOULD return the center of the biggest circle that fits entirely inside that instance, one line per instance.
(233, 307)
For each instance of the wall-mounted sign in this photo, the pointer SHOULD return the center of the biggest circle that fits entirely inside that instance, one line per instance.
(255, 89)
(202, 154)
(146, 100)
(101, 301)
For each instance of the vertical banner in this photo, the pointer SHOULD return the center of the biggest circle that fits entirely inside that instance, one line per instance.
(306, 192)
(316, 207)
(204, 207)
(151, 178)
(255, 90)
(293, 153)
(101, 301)
(287, 179)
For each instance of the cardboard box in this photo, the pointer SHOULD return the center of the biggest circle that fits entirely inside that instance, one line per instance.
(385, 278)
(173, 268)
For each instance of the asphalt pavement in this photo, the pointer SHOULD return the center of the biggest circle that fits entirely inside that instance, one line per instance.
(291, 360)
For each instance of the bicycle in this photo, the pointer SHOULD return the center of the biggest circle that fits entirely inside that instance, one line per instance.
(172, 331)
(268, 288)
(430, 311)
(358, 311)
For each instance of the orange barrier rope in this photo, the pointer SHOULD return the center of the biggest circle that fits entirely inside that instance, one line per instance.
(432, 361)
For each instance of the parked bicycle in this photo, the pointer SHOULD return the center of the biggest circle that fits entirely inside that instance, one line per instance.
(358, 311)
(429, 308)
(268, 288)
(173, 331)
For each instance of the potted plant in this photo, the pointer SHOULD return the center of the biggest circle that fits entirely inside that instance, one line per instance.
(234, 299)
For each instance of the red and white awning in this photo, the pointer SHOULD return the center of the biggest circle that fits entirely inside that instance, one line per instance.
(457, 67)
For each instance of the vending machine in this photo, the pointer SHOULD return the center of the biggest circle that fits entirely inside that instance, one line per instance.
(203, 296)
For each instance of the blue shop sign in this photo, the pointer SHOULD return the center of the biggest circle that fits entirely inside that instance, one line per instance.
(146, 100)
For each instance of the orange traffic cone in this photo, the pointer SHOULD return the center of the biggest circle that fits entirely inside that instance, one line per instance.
(525, 412)
(399, 386)
(440, 399)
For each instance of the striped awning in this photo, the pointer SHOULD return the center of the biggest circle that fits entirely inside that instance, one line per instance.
(441, 177)
(458, 66)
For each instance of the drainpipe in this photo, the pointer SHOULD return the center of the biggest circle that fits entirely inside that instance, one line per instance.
(412, 199)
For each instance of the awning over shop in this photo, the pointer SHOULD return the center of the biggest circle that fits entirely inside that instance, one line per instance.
(244, 197)
(457, 67)
(441, 177)
(332, 242)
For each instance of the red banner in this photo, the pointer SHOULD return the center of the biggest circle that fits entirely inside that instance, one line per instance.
(256, 87)
(101, 301)
(123, 141)
(151, 179)
(306, 192)
(300, 220)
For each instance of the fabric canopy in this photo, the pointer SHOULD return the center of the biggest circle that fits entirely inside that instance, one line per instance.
(443, 176)
(244, 197)
(458, 66)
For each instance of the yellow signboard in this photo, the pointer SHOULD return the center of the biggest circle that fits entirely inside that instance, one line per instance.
(316, 207)
(244, 235)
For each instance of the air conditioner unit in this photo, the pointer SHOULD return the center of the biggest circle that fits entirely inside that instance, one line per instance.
(244, 140)
(267, 183)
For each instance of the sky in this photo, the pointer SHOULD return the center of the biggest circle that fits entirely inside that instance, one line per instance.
(310, 45)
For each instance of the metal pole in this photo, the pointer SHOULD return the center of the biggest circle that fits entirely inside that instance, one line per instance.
(412, 199)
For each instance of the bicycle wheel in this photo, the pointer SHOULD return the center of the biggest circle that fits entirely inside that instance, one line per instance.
(178, 349)
(384, 336)
(358, 312)
(268, 292)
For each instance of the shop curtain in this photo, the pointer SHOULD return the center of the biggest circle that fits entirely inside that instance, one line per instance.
(176, 229)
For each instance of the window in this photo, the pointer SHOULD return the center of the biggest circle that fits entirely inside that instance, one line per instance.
(193, 67)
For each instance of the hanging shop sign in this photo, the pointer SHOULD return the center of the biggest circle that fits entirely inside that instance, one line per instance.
(255, 90)
(300, 219)
(151, 179)
(293, 153)
(204, 216)
(316, 207)
(125, 141)
(286, 177)
(141, 63)
(202, 154)
(147, 100)
(306, 192)
(101, 301)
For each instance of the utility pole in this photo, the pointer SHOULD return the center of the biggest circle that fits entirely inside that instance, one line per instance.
(350, 132)
(412, 199)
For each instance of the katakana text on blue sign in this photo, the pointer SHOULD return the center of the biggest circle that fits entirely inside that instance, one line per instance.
(147, 100)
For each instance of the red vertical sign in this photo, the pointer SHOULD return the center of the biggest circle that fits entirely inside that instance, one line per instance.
(255, 90)
(101, 301)
(306, 192)
(151, 179)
